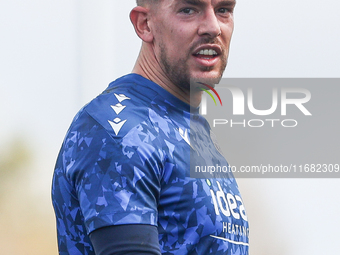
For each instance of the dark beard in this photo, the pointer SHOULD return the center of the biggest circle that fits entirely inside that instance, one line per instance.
(178, 73)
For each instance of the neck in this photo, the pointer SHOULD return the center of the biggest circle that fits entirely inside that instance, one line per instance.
(149, 67)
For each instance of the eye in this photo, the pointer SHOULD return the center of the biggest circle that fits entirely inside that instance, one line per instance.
(223, 10)
(187, 11)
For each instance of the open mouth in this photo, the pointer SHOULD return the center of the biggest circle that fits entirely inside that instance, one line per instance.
(206, 54)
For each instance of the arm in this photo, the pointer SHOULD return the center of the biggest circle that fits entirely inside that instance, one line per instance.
(126, 240)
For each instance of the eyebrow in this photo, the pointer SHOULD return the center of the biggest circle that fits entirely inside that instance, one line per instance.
(201, 2)
(227, 2)
(193, 2)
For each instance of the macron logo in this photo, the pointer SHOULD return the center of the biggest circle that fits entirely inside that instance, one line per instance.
(184, 135)
(117, 123)
(121, 97)
(118, 108)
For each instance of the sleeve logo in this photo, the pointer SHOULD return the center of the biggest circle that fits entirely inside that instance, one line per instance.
(117, 123)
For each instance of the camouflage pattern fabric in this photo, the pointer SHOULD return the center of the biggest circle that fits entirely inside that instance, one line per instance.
(126, 160)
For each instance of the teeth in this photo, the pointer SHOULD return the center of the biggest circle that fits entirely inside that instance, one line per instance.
(207, 52)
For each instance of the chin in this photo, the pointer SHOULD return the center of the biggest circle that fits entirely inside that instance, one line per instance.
(210, 78)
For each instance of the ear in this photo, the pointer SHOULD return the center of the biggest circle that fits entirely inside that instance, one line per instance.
(139, 18)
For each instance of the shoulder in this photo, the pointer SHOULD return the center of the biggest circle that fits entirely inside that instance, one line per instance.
(113, 129)
(118, 121)
(123, 106)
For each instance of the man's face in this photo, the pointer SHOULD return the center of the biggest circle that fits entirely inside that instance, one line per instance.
(192, 38)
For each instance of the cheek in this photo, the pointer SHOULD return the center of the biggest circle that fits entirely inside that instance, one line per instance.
(181, 38)
(227, 29)
(226, 36)
(176, 40)
(158, 29)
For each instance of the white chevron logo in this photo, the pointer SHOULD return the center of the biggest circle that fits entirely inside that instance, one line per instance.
(121, 97)
(117, 124)
(184, 135)
(118, 108)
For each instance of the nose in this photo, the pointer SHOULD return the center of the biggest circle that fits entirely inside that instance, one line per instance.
(209, 25)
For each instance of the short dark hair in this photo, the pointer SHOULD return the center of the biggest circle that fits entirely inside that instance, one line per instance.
(144, 2)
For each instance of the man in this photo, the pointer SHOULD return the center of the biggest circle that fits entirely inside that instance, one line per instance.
(122, 180)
